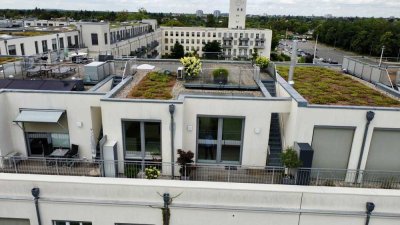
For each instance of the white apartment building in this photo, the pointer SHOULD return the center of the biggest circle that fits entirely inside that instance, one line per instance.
(217, 13)
(236, 43)
(47, 23)
(120, 39)
(199, 13)
(237, 14)
(41, 43)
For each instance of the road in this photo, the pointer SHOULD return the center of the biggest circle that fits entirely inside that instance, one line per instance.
(323, 51)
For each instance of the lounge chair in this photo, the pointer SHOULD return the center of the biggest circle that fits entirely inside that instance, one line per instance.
(72, 155)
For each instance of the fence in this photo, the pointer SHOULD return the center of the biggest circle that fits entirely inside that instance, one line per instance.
(202, 172)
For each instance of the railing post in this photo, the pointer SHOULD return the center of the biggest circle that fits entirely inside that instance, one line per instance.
(185, 171)
(273, 175)
(57, 167)
(229, 173)
(317, 181)
(15, 164)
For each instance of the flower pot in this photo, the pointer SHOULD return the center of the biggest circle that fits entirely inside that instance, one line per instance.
(220, 79)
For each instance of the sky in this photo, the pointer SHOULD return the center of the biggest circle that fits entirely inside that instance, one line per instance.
(361, 8)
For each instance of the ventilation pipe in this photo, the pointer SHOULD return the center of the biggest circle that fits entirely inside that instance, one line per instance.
(293, 63)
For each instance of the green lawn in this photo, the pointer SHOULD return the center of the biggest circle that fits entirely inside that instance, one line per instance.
(26, 33)
(324, 86)
(154, 86)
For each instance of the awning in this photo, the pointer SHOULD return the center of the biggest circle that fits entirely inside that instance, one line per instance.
(39, 116)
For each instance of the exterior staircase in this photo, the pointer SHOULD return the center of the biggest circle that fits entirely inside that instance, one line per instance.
(275, 140)
(116, 81)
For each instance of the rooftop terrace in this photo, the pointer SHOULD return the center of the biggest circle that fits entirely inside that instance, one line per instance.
(154, 84)
(328, 87)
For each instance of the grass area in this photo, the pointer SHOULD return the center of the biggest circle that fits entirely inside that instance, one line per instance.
(26, 33)
(324, 86)
(8, 59)
(154, 86)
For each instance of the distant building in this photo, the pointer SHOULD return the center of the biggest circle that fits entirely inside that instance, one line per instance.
(199, 13)
(237, 14)
(217, 13)
(328, 16)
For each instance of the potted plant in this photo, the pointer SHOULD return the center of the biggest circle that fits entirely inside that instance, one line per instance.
(291, 161)
(262, 62)
(184, 160)
(220, 76)
(152, 173)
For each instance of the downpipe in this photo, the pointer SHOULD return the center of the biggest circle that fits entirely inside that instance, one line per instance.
(35, 193)
(370, 116)
(172, 127)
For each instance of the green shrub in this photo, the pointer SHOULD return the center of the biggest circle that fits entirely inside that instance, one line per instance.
(262, 62)
(220, 72)
(290, 158)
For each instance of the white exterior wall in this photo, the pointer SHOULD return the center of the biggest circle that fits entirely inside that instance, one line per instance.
(77, 106)
(237, 14)
(114, 46)
(215, 34)
(46, 23)
(29, 43)
(111, 201)
(256, 114)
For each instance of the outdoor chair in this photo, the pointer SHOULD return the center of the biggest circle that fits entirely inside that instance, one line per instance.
(72, 155)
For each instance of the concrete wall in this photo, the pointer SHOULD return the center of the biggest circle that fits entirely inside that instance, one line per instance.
(112, 201)
(77, 106)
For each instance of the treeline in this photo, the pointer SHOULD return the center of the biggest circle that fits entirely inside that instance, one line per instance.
(362, 35)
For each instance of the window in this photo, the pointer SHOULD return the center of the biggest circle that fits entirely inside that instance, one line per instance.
(44, 46)
(54, 44)
(177, 34)
(105, 38)
(69, 40)
(171, 33)
(95, 39)
(166, 40)
(166, 48)
(193, 34)
(61, 43)
(142, 139)
(76, 41)
(12, 50)
(198, 34)
(219, 139)
(71, 223)
(36, 47)
(166, 33)
(22, 49)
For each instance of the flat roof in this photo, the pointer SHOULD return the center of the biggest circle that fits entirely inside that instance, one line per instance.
(49, 85)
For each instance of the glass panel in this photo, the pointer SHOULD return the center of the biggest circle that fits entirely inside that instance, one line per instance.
(60, 140)
(60, 223)
(207, 140)
(132, 139)
(152, 132)
(74, 223)
(231, 139)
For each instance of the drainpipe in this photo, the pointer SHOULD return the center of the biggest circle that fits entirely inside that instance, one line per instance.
(172, 127)
(35, 194)
(370, 207)
(370, 116)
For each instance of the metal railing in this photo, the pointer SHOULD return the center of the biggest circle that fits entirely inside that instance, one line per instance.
(202, 172)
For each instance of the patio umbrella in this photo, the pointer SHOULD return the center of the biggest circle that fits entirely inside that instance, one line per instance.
(92, 143)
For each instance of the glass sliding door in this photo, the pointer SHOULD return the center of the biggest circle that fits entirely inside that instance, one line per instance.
(219, 140)
(207, 139)
(142, 140)
(231, 140)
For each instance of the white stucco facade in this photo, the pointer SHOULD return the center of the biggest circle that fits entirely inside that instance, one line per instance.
(235, 43)
(237, 14)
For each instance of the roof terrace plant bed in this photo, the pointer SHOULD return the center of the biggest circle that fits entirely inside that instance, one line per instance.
(327, 87)
(8, 59)
(154, 85)
(27, 33)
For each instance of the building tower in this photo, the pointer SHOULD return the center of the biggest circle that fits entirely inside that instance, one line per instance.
(237, 14)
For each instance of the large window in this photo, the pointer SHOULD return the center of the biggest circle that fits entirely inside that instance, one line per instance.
(95, 39)
(22, 49)
(54, 44)
(44, 46)
(142, 140)
(12, 50)
(105, 38)
(219, 140)
(61, 43)
(36, 47)
(71, 223)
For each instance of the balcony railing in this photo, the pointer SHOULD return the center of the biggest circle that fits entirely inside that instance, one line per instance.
(202, 172)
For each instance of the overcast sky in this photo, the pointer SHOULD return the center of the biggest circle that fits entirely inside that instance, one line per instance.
(366, 8)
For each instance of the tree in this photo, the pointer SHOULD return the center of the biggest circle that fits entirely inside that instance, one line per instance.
(177, 51)
(212, 50)
(210, 20)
